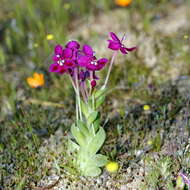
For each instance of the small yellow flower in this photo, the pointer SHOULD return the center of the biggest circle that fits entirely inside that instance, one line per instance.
(36, 45)
(50, 37)
(186, 37)
(112, 167)
(66, 6)
(146, 107)
(179, 182)
(36, 81)
(150, 142)
(123, 3)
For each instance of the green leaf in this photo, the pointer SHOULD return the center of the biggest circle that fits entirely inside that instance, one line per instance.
(100, 92)
(85, 109)
(79, 137)
(82, 126)
(92, 171)
(96, 123)
(99, 160)
(99, 101)
(96, 142)
(91, 118)
(72, 146)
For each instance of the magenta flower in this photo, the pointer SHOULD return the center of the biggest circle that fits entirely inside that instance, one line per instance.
(87, 59)
(57, 52)
(116, 44)
(73, 45)
(96, 65)
(57, 68)
(87, 50)
(63, 60)
(54, 67)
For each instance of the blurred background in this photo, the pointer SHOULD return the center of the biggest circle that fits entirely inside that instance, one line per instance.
(33, 109)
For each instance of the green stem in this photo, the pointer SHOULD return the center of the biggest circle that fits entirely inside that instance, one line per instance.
(78, 93)
(73, 84)
(93, 107)
(77, 111)
(110, 67)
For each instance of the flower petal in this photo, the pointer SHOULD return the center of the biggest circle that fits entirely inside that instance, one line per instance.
(123, 50)
(54, 67)
(58, 49)
(83, 61)
(87, 50)
(62, 70)
(75, 54)
(101, 63)
(114, 45)
(67, 53)
(69, 63)
(114, 37)
(31, 82)
(73, 45)
(131, 49)
(92, 67)
(36, 75)
(56, 57)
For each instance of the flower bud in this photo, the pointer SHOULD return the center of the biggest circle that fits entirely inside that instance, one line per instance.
(93, 83)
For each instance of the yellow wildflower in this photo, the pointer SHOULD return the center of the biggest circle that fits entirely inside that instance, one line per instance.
(150, 142)
(66, 6)
(186, 37)
(179, 182)
(36, 81)
(112, 167)
(50, 37)
(146, 107)
(123, 3)
(36, 45)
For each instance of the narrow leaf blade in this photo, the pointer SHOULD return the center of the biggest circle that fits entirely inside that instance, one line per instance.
(97, 141)
(92, 117)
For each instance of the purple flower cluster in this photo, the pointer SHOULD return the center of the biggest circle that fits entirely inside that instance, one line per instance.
(66, 59)
(81, 63)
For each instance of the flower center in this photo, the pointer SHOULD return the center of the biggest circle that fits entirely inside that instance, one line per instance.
(61, 62)
(93, 63)
(122, 46)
